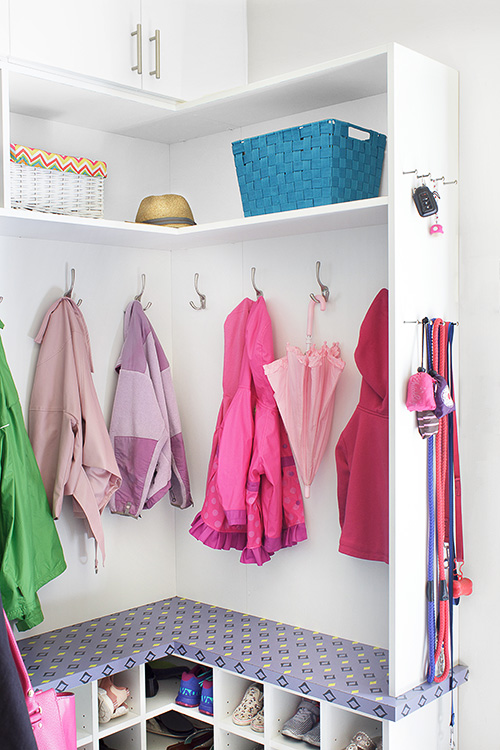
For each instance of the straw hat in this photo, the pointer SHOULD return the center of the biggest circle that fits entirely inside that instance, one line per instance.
(165, 210)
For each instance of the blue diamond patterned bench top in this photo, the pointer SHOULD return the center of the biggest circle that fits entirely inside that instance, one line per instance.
(346, 673)
(323, 162)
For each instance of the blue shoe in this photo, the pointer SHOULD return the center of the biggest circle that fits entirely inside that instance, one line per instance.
(207, 698)
(189, 691)
(189, 694)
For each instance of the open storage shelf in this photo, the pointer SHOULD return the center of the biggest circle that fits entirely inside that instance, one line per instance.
(385, 87)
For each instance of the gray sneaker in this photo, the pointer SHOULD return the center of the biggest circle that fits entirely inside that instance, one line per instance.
(304, 719)
(313, 736)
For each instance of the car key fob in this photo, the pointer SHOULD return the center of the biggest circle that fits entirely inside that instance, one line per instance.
(425, 201)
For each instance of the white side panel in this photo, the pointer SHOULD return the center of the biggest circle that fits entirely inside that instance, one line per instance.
(423, 276)
(428, 728)
(4, 28)
(5, 138)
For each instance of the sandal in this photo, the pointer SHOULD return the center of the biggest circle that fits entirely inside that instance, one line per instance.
(196, 741)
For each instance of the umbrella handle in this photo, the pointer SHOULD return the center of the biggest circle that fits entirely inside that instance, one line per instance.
(310, 316)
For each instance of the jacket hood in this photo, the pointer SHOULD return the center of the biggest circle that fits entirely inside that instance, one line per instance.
(372, 355)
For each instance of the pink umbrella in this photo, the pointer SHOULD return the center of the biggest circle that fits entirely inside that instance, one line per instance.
(304, 389)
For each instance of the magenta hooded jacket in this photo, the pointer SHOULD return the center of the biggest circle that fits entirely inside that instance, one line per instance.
(362, 452)
(66, 425)
(253, 498)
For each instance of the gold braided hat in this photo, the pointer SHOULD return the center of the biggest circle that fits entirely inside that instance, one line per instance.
(165, 210)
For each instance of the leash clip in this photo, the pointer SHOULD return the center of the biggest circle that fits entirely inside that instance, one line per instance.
(452, 737)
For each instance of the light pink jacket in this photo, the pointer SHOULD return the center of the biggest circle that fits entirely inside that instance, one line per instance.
(66, 425)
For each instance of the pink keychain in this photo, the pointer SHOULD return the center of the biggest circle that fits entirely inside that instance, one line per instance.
(436, 228)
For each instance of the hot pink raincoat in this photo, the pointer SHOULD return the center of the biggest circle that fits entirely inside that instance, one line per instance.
(253, 499)
(66, 424)
(362, 452)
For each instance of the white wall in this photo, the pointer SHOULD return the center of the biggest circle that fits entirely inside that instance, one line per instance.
(288, 34)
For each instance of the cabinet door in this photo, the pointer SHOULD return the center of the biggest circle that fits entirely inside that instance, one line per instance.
(92, 38)
(4, 27)
(203, 46)
(163, 30)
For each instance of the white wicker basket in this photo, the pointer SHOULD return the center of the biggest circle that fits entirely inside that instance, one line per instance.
(51, 190)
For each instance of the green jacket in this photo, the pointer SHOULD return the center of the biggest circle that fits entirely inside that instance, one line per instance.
(30, 551)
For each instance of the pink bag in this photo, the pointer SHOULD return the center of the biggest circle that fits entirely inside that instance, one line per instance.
(420, 392)
(52, 714)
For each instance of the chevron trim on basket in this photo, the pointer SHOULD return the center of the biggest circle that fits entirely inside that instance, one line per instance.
(35, 157)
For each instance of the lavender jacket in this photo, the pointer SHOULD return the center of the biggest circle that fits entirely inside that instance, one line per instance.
(145, 424)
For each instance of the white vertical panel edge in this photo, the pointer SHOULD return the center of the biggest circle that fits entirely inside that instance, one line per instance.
(423, 279)
(5, 145)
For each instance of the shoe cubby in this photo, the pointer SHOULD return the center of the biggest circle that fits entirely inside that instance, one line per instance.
(338, 727)
(86, 716)
(133, 679)
(157, 742)
(229, 741)
(168, 688)
(124, 739)
(280, 706)
(229, 691)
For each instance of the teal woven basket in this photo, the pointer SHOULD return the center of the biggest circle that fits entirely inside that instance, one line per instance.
(311, 165)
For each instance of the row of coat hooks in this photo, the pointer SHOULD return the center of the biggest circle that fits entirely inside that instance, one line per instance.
(325, 292)
(69, 292)
(322, 300)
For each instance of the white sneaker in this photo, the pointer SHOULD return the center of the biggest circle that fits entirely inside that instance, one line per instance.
(249, 706)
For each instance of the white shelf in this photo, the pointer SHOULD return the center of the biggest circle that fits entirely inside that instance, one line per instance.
(241, 731)
(37, 225)
(117, 725)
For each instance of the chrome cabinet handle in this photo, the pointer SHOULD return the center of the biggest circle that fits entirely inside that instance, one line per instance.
(138, 34)
(156, 40)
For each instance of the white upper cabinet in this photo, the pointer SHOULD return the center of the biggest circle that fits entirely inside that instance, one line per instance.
(91, 38)
(215, 52)
(4, 27)
(183, 49)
